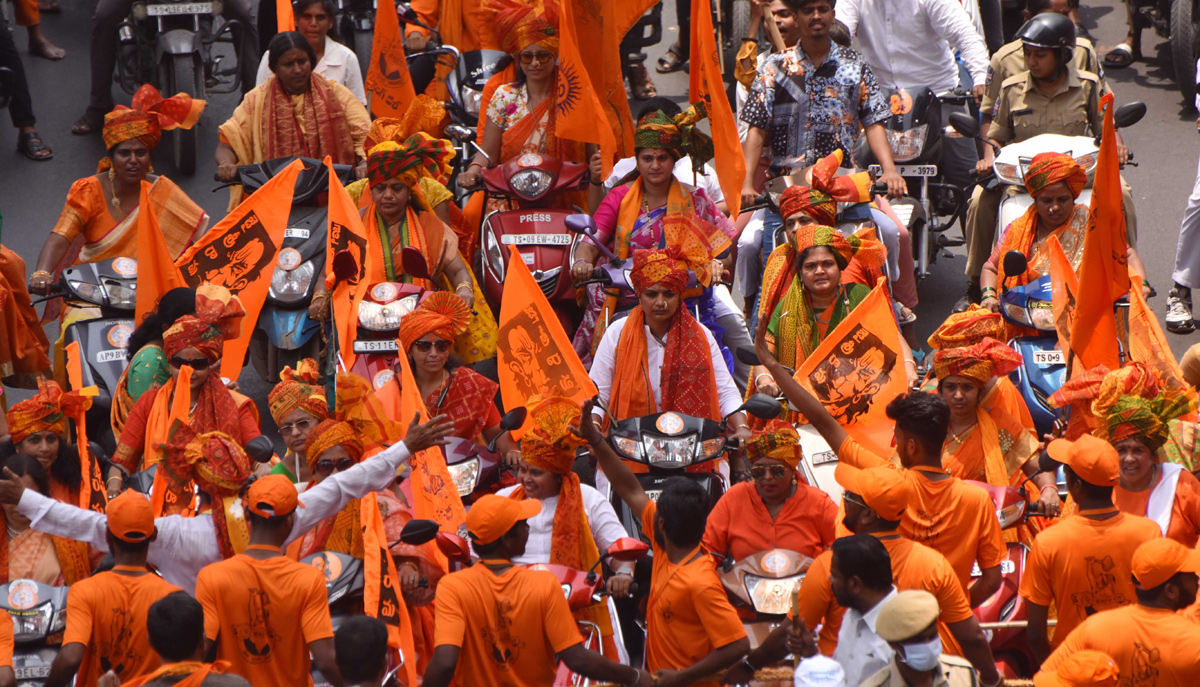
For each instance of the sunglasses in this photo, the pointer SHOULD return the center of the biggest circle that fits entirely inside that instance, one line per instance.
(775, 471)
(424, 346)
(300, 426)
(194, 363)
(325, 467)
(528, 58)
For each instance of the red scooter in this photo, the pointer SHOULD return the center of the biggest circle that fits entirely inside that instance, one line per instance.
(379, 315)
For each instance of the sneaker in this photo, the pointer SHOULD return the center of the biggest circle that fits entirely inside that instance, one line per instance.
(1179, 312)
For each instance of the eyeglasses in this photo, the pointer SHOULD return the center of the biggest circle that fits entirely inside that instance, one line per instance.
(298, 426)
(325, 467)
(528, 58)
(442, 345)
(194, 363)
(776, 471)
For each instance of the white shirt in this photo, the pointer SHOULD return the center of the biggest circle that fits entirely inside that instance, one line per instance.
(339, 64)
(861, 652)
(908, 42)
(185, 545)
(605, 362)
(706, 179)
(602, 519)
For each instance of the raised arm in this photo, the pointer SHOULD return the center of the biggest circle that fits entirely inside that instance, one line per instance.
(622, 479)
(806, 403)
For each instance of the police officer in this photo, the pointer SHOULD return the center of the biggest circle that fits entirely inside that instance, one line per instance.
(908, 623)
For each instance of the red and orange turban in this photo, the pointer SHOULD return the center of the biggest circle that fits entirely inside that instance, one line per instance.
(521, 23)
(442, 313)
(1145, 419)
(424, 115)
(664, 266)
(150, 115)
(979, 363)
(810, 201)
(331, 433)
(420, 155)
(1133, 379)
(779, 441)
(861, 245)
(218, 318)
(47, 411)
(968, 328)
(1050, 168)
(298, 389)
(826, 190)
(217, 464)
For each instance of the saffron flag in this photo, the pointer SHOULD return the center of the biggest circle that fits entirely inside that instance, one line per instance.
(534, 355)
(858, 369)
(1104, 271)
(579, 114)
(160, 274)
(240, 254)
(285, 18)
(1064, 290)
(389, 86)
(346, 232)
(92, 495)
(1148, 344)
(705, 84)
(381, 586)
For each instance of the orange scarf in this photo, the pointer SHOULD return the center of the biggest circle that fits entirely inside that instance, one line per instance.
(196, 673)
(426, 233)
(325, 127)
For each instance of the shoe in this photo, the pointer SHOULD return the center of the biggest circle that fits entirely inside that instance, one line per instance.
(972, 296)
(1179, 312)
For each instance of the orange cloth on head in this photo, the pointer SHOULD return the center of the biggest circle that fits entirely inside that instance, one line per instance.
(688, 614)
(1082, 565)
(1185, 512)
(950, 516)
(968, 328)
(424, 114)
(1153, 647)
(263, 614)
(46, 411)
(740, 525)
(659, 266)
(150, 115)
(443, 314)
(521, 23)
(331, 433)
(298, 389)
(508, 627)
(107, 614)
(779, 441)
(978, 363)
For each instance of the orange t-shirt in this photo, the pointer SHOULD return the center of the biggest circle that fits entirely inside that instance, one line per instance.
(817, 605)
(7, 640)
(107, 614)
(263, 614)
(740, 524)
(950, 516)
(508, 627)
(688, 615)
(1082, 565)
(1153, 647)
(1185, 513)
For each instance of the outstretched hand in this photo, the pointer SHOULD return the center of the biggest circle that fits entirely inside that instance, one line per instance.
(11, 488)
(423, 436)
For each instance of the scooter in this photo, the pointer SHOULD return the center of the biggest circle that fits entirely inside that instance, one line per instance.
(475, 468)
(39, 617)
(761, 588)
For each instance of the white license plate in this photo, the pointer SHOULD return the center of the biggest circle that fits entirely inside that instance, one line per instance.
(296, 233)
(32, 672)
(908, 170)
(1007, 567)
(179, 8)
(536, 239)
(653, 494)
(1049, 358)
(384, 346)
(824, 457)
(115, 355)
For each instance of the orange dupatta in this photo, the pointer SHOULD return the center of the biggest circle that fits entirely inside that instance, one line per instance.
(432, 237)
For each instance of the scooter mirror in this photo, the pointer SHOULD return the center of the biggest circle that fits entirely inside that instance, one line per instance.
(260, 449)
(345, 267)
(762, 406)
(966, 125)
(460, 134)
(747, 356)
(580, 224)
(1129, 114)
(414, 263)
(418, 532)
(1015, 263)
(628, 550)
(513, 419)
(453, 547)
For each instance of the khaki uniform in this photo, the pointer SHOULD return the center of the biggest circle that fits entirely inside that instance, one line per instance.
(1022, 111)
(954, 672)
(1010, 60)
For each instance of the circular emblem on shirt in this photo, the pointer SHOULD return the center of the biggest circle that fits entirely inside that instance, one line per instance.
(289, 259)
(669, 423)
(529, 160)
(775, 562)
(22, 594)
(119, 335)
(382, 378)
(384, 292)
(125, 267)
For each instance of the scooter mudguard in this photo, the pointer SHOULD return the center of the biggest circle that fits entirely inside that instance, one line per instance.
(1036, 380)
(178, 42)
(287, 329)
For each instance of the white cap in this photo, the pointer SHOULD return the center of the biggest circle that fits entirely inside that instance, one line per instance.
(820, 671)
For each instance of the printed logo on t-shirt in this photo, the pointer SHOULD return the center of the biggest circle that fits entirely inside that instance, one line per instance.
(256, 638)
(926, 526)
(506, 646)
(1103, 593)
(1145, 667)
(117, 650)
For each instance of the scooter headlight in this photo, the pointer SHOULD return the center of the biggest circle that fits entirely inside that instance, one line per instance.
(37, 623)
(92, 293)
(1010, 515)
(1009, 174)
(669, 453)
(907, 145)
(1018, 314)
(465, 476)
(1041, 315)
(385, 317)
(290, 286)
(493, 253)
(121, 296)
(771, 596)
(531, 184)
(1088, 162)
(630, 448)
(472, 100)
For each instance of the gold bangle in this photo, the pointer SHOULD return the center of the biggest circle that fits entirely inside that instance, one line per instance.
(40, 273)
(462, 286)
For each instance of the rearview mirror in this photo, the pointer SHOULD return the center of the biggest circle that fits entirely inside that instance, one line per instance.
(453, 547)
(513, 419)
(747, 356)
(966, 125)
(762, 406)
(345, 267)
(580, 224)
(1129, 114)
(1015, 263)
(418, 532)
(260, 449)
(460, 134)
(628, 550)
(414, 263)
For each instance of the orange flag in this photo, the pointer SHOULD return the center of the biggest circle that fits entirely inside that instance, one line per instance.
(533, 352)
(705, 84)
(92, 495)
(389, 86)
(160, 275)
(1065, 288)
(381, 586)
(1103, 272)
(858, 369)
(181, 405)
(240, 254)
(346, 232)
(579, 114)
(1148, 344)
(285, 18)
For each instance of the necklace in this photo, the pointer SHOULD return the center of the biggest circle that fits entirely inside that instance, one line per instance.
(12, 533)
(957, 436)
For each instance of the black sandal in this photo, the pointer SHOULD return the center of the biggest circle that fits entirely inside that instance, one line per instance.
(671, 62)
(32, 146)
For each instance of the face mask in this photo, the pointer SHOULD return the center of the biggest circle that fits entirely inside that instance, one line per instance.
(924, 656)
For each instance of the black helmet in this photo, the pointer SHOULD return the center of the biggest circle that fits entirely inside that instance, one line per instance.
(1048, 30)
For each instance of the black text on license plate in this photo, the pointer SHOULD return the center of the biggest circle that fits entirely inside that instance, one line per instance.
(383, 346)
(1049, 358)
(32, 672)
(113, 355)
(179, 8)
(536, 239)
(908, 170)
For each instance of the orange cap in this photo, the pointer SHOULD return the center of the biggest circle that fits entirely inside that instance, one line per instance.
(272, 496)
(1093, 459)
(1158, 560)
(1081, 669)
(883, 489)
(130, 517)
(492, 516)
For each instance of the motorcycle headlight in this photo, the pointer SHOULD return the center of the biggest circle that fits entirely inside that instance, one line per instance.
(1088, 162)
(630, 448)
(121, 296)
(1009, 174)
(465, 476)
(290, 286)
(712, 447)
(36, 623)
(472, 100)
(1009, 515)
(772, 596)
(669, 453)
(531, 184)
(1018, 314)
(385, 317)
(493, 253)
(907, 145)
(92, 293)
(1041, 315)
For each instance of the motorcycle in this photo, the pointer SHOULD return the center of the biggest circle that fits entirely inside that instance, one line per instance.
(285, 334)
(39, 617)
(761, 588)
(1177, 21)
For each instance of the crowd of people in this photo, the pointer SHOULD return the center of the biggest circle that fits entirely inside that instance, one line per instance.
(197, 555)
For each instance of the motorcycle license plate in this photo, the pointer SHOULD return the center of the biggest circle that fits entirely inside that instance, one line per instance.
(653, 494)
(179, 8)
(536, 239)
(1007, 567)
(1045, 358)
(32, 672)
(908, 170)
(384, 346)
(114, 355)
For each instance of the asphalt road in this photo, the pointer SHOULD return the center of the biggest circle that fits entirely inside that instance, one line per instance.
(32, 194)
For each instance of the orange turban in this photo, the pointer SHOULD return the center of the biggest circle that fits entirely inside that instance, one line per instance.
(1047, 169)
(862, 245)
(979, 363)
(1134, 379)
(442, 313)
(425, 115)
(215, 461)
(298, 389)
(218, 318)
(47, 411)
(780, 441)
(521, 23)
(332, 433)
(150, 115)
(810, 201)
(1145, 419)
(828, 188)
(968, 328)
(664, 266)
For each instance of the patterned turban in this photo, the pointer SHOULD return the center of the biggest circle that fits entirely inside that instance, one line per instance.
(968, 328)
(298, 389)
(332, 433)
(810, 201)
(47, 411)
(1082, 389)
(780, 441)
(217, 464)
(1050, 168)
(862, 245)
(442, 313)
(150, 115)
(521, 23)
(424, 115)
(1134, 379)
(678, 135)
(420, 155)
(664, 266)
(549, 444)
(218, 318)
(698, 242)
(1145, 419)
(979, 363)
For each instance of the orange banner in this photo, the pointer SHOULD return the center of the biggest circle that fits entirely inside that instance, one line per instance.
(389, 86)
(579, 114)
(705, 84)
(858, 369)
(160, 275)
(285, 17)
(240, 254)
(346, 232)
(534, 355)
(92, 495)
(381, 586)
